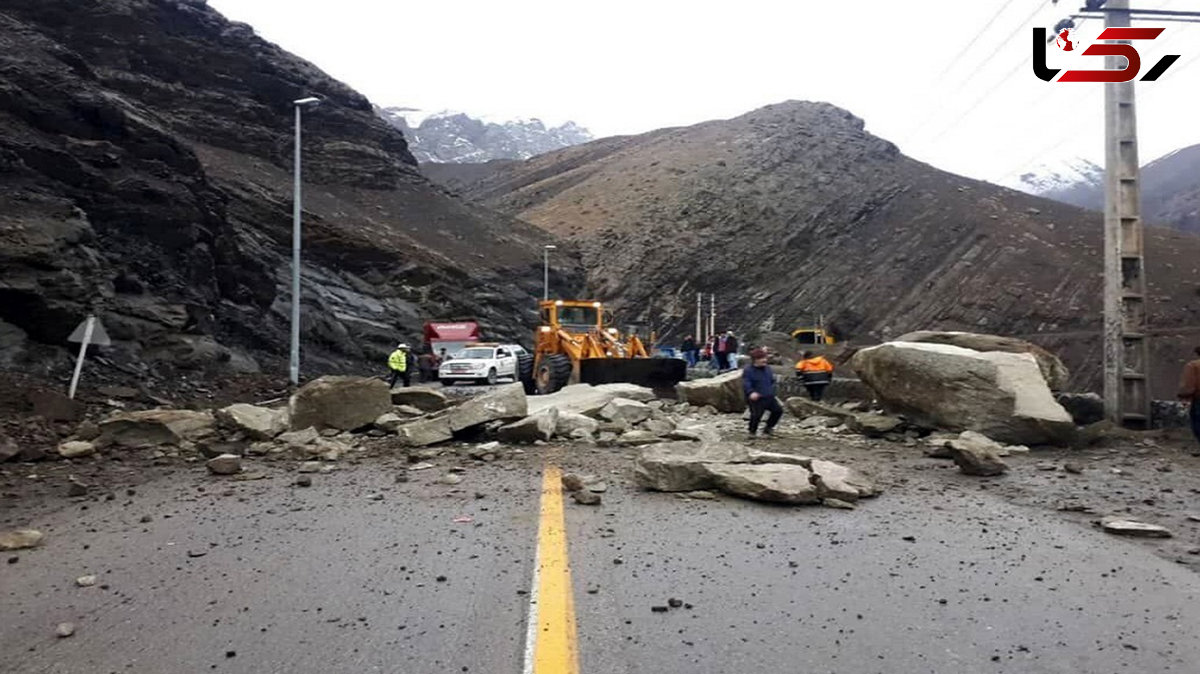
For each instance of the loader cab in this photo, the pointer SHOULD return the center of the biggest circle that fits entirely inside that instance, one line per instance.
(574, 316)
(812, 336)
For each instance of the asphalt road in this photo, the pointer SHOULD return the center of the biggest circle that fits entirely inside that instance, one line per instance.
(328, 579)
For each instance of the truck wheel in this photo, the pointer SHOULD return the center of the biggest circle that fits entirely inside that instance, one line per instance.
(491, 377)
(525, 373)
(553, 374)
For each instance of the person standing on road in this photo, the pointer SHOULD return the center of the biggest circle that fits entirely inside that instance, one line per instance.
(690, 353)
(731, 349)
(1189, 391)
(816, 373)
(758, 382)
(400, 363)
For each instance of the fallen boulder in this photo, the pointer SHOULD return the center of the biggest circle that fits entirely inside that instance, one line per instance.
(977, 461)
(835, 481)
(682, 466)
(1053, 370)
(532, 428)
(299, 438)
(637, 438)
(623, 409)
(1124, 527)
(425, 432)
(999, 394)
(149, 428)
(873, 425)
(390, 422)
(569, 422)
(424, 399)
(258, 423)
(344, 403)
(771, 482)
(804, 408)
(723, 392)
(659, 427)
(503, 403)
(587, 399)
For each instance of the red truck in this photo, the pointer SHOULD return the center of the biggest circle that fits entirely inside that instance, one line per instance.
(450, 335)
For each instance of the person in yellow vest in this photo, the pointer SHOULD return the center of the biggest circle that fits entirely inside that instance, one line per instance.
(816, 372)
(401, 364)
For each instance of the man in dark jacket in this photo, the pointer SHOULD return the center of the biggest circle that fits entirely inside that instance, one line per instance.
(1189, 392)
(691, 353)
(758, 382)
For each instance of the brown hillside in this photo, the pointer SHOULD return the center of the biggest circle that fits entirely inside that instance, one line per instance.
(793, 211)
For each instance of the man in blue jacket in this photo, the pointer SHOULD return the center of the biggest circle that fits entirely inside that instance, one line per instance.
(758, 382)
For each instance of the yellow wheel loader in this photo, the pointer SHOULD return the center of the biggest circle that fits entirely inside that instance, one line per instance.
(574, 345)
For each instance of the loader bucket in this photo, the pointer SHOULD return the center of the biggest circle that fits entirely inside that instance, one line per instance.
(655, 373)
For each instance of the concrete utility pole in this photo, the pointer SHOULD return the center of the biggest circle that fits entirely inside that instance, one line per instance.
(546, 269)
(712, 315)
(294, 360)
(1126, 352)
(699, 312)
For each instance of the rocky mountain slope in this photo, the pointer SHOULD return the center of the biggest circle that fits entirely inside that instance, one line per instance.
(145, 174)
(456, 137)
(1170, 191)
(1066, 179)
(794, 211)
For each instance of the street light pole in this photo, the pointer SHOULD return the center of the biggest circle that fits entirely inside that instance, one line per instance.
(546, 270)
(294, 360)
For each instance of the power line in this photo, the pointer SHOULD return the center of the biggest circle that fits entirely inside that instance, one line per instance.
(954, 61)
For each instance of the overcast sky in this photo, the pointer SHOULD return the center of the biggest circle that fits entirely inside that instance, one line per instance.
(622, 66)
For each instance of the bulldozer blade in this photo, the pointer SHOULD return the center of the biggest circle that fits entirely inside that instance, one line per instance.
(656, 373)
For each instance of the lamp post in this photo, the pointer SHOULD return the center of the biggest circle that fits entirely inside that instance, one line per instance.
(294, 362)
(546, 269)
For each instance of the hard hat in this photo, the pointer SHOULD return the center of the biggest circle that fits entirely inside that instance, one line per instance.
(402, 345)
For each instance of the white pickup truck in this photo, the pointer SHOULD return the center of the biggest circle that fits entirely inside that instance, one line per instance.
(484, 363)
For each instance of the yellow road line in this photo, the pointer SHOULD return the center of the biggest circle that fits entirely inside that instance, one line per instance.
(554, 650)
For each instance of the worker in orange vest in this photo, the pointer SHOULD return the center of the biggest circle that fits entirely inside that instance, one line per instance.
(815, 372)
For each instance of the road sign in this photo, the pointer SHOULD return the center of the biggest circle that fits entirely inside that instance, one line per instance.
(99, 336)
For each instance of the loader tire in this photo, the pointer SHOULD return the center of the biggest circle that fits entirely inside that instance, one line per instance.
(525, 373)
(553, 374)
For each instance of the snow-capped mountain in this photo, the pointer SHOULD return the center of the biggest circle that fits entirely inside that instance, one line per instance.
(456, 137)
(1057, 177)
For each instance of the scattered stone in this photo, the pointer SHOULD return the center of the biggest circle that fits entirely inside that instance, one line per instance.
(250, 476)
(196, 553)
(502, 403)
(420, 398)
(226, 464)
(572, 482)
(659, 427)
(819, 422)
(375, 497)
(450, 479)
(585, 497)
(838, 503)
(838, 482)
(569, 422)
(407, 411)
(64, 630)
(421, 466)
(402, 475)
(85, 581)
(776, 483)
(76, 449)
(309, 467)
(54, 406)
(701, 495)
(636, 438)
(684, 434)
(20, 539)
(304, 481)
(659, 609)
(9, 450)
(1124, 527)
(539, 426)
(339, 402)
(257, 423)
(873, 425)
(390, 422)
(1073, 468)
(977, 461)
(300, 438)
(76, 488)
(596, 485)
(151, 428)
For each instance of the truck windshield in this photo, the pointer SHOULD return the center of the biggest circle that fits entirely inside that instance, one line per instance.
(577, 316)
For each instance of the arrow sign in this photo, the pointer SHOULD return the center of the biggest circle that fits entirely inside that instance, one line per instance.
(99, 336)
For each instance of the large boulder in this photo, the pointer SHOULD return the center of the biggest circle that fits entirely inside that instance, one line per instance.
(1053, 370)
(425, 432)
(834, 480)
(723, 392)
(569, 422)
(155, 427)
(345, 403)
(771, 482)
(502, 403)
(258, 423)
(682, 465)
(999, 394)
(587, 399)
(623, 409)
(424, 399)
(532, 428)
